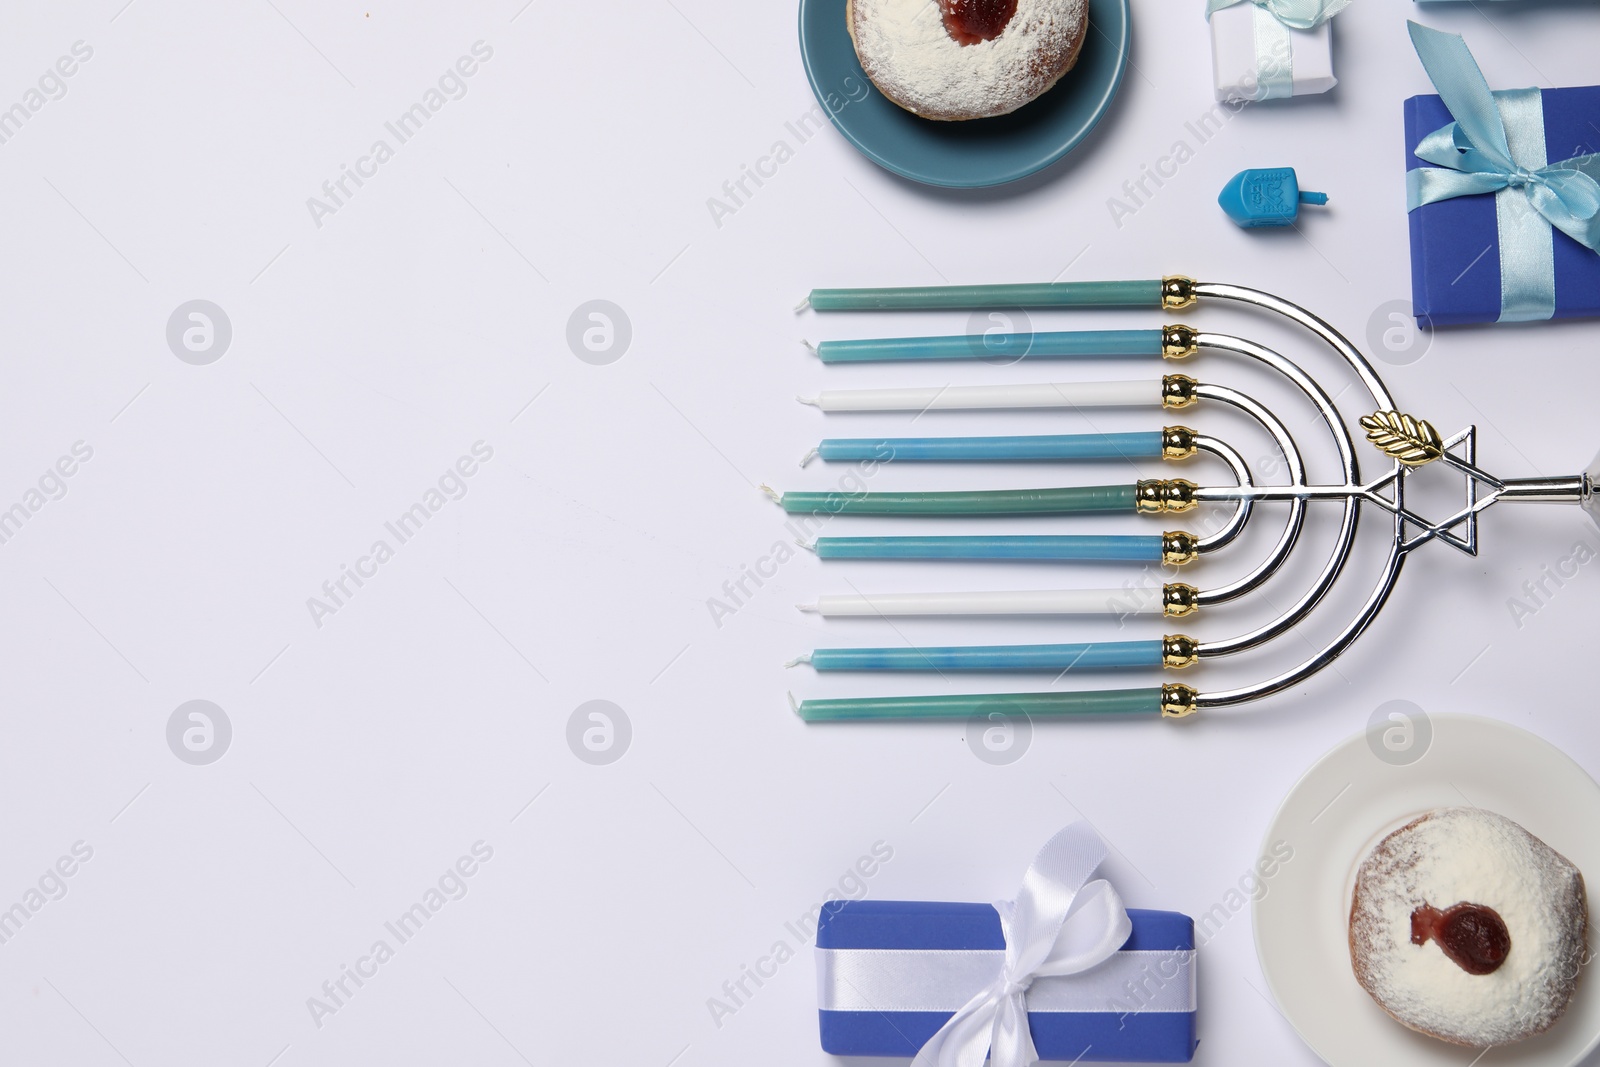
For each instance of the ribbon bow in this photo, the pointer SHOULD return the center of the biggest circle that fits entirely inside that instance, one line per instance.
(1060, 923)
(1496, 145)
(1295, 14)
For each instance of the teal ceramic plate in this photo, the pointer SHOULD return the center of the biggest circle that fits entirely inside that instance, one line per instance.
(979, 152)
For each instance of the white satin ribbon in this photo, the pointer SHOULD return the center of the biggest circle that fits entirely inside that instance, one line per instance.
(929, 980)
(1060, 923)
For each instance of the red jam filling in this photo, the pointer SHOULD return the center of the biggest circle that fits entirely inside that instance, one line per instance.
(1473, 936)
(971, 21)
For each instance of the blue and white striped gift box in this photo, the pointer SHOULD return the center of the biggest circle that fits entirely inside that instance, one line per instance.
(890, 973)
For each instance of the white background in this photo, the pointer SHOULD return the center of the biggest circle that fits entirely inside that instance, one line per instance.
(371, 351)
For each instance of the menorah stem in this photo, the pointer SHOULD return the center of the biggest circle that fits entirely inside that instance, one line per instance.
(1568, 489)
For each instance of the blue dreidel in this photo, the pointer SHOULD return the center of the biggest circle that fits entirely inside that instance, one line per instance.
(1265, 197)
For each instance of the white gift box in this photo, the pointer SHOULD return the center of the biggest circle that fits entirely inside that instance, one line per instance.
(1256, 57)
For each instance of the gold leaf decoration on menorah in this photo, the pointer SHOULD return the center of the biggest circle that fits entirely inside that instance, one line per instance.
(1410, 440)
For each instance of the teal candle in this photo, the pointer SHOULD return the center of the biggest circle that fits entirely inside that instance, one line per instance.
(1105, 548)
(1105, 702)
(1060, 659)
(1075, 344)
(1083, 499)
(1060, 447)
(1142, 294)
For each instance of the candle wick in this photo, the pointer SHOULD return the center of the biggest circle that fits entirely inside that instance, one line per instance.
(809, 346)
(772, 494)
(799, 660)
(809, 546)
(808, 457)
(808, 607)
(794, 705)
(814, 401)
(800, 307)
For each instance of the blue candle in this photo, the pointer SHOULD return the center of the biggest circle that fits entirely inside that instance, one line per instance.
(1117, 702)
(1112, 548)
(1069, 500)
(996, 346)
(1078, 446)
(1089, 656)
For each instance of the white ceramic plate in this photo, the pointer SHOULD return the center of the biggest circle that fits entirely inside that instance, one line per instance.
(1342, 807)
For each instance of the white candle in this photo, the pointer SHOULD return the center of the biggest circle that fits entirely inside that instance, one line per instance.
(1009, 602)
(968, 397)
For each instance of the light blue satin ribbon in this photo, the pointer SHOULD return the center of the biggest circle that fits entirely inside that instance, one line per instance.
(1274, 47)
(1496, 145)
(1295, 14)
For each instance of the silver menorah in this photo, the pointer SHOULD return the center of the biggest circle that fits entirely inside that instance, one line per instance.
(1406, 443)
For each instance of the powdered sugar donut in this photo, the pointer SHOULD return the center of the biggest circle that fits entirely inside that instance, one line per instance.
(1468, 928)
(966, 59)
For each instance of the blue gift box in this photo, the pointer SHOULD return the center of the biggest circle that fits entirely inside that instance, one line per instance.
(1137, 1006)
(1455, 249)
